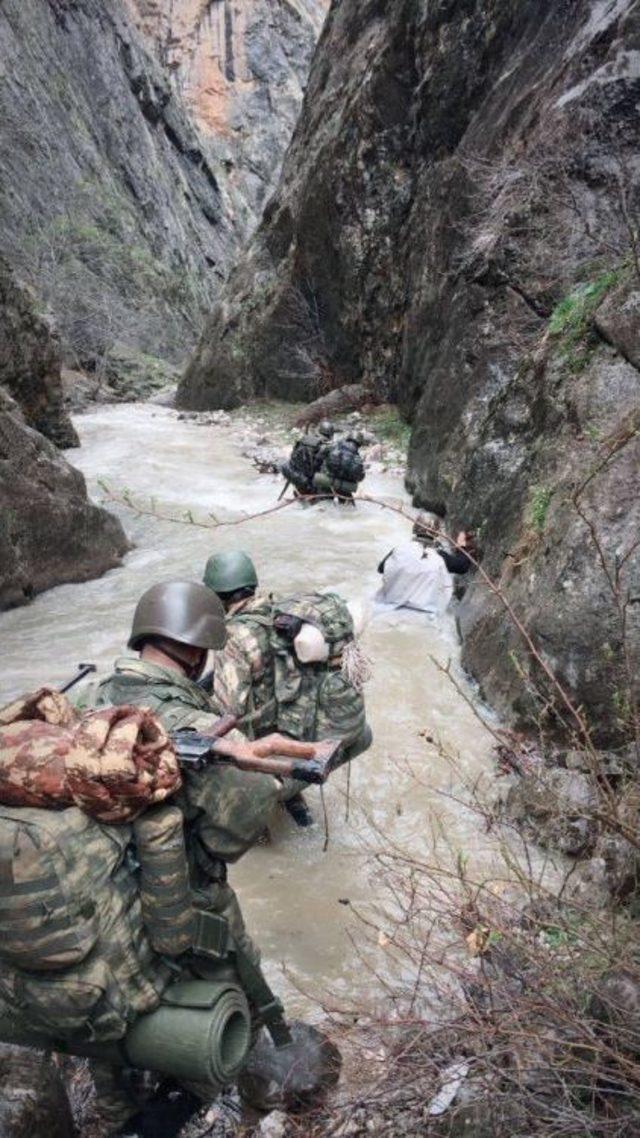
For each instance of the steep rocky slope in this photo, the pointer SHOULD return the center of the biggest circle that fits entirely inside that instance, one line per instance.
(109, 204)
(241, 66)
(457, 223)
(121, 201)
(49, 531)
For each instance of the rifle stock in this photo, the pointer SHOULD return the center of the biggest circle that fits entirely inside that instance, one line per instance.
(194, 751)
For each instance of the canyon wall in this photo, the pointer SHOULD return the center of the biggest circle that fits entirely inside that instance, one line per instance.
(457, 225)
(109, 205)
(49, 530)
(241, 67)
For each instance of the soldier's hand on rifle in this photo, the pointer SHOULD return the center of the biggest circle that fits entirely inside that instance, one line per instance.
(276, 744)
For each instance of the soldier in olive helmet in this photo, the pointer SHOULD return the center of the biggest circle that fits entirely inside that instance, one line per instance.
(175, 625)
(225, 810)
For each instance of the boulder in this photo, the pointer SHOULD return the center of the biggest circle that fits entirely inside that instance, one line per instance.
(334, 403)
(557, 808)
(49, 530)
(30, 362)
(290, 1077)
(618, 320)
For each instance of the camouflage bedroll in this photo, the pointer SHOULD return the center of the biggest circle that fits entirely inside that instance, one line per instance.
(113, 763)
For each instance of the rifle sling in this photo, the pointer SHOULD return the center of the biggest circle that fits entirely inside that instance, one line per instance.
(213, 939)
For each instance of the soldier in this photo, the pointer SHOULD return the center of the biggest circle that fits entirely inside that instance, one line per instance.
(244, 675)
(243, 682)
(341, 468)
(226, 810)
(306, 458)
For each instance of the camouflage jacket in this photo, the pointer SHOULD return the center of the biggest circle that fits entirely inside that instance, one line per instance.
(226, 809)
(243, 681)
(262, 683)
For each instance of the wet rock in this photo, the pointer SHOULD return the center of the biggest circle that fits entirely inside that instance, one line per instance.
(49, 530)
(618, 321)
(427, 224)
(290, 1077)
(30, 362)
(33, 1100)
(557, 808)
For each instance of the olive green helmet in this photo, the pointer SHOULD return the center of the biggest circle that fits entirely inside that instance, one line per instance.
(227, 572)
(182, 611)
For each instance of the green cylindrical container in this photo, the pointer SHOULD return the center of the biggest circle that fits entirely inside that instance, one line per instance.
(200, 1033)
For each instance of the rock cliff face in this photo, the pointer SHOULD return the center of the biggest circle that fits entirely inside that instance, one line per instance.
(49, 531)
(30, 362)
(137, 140)
(457, 223)
(110, 205)
(241, 66)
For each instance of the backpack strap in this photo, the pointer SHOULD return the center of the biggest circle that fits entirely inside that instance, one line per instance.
(213, 939)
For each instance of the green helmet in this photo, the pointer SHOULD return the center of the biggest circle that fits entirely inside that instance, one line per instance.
(326, 429)
(227, 572)
(182, 611)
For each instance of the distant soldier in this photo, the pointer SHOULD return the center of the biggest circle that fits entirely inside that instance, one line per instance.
(341, 468)
(306, 459)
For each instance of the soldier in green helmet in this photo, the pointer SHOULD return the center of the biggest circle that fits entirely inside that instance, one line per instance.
(253, 666)
(243, 676)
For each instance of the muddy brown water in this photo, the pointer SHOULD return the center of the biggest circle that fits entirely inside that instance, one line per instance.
(300, 899)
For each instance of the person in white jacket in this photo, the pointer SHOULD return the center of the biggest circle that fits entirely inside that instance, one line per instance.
(417, 575)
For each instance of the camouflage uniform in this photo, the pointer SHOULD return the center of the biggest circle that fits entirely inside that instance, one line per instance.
(268, 690)
(243, 682)
(226, 810)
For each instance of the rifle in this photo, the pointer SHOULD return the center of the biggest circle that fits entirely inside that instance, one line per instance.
(284, 489)
(83, 670)
(194, 751)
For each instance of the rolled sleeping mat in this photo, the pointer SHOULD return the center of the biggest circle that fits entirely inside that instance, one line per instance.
(201, 1033)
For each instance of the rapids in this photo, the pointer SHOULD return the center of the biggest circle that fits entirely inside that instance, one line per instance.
(298, 898)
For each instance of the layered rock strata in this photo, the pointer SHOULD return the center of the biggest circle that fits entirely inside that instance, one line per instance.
(110, 203)
(241, 66)
(457, 224)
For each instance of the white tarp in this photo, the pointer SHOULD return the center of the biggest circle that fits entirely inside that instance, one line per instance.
(416, 578)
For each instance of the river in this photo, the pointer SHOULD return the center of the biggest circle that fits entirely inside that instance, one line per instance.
(300, 899)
